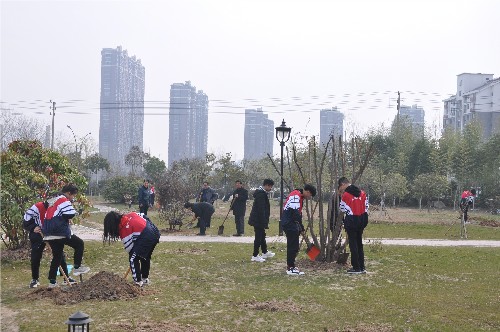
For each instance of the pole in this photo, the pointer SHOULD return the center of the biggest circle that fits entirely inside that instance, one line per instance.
(282, 144)
(53, 108)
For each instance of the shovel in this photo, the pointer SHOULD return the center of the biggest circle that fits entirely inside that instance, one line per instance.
(221, 227)
(312, 251)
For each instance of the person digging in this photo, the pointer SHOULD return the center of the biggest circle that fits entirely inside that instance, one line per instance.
(139, 236)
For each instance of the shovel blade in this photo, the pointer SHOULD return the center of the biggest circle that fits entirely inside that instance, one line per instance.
(221, 230)
(312, 252)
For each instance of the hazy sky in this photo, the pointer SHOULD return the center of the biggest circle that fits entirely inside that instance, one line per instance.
(292, 58)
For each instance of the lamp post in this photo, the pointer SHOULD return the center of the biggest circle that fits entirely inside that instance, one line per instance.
(282, 135)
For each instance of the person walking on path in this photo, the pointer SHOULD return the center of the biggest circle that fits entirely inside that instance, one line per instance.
(144, 197)
(291, 222)
(239, 206)
(33, 221)
(259, 219)
(465, 201)
(139, 236)
(57, 232)
(355, 207)
(203, 211)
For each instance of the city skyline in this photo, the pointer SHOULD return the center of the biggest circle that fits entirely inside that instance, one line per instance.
(298, 58)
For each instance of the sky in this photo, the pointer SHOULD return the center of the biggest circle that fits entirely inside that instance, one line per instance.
(292, 58)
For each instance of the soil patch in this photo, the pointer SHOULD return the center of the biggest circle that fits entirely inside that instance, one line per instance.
(147, 326)
(365, 328)
(104, 286)
(15, 254)
(287, 306)
(309, 265)
(195, 251)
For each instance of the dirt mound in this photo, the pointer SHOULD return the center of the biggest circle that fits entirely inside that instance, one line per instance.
(286, 306)
(104, 286)
(485, 221)
(152, 327)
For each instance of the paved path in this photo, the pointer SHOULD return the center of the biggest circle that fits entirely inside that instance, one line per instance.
(92, 234)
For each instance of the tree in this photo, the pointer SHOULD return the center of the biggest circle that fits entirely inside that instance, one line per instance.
(225, 172)
(118, 187)
(29, 173)
(96, 163)
(397, 186)
(135, 158)
(154, 168)
(20, 127)
(429, 185)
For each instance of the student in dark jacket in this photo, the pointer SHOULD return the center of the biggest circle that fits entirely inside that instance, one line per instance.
(259, 219)
(239, 207)
(355, 207)
(291, 221)
(203, 211)
(144, 197)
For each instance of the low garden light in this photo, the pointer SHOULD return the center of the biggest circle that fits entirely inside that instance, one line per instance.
(79, 321)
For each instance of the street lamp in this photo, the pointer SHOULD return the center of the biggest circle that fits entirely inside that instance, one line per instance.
(282, 135)
(74, 137)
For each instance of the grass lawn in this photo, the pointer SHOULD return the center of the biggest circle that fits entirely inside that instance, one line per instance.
(397, 223)
(215, 287)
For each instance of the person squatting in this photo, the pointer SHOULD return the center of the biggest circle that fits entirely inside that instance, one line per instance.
(139, 236)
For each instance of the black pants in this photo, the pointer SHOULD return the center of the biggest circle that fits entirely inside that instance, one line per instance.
(140, 266)
(464, 205)
(356, 247)
(260, 240)
(144, 208)
(292, 247)
(58, 255)
(240, 223)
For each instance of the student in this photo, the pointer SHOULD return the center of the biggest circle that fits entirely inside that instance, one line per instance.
(139, 236)
(57, 232)
(466, 200)
(259, 219)
(203, 211)
(355, 206)
(291, 222)
(239, 207)
(33, 221)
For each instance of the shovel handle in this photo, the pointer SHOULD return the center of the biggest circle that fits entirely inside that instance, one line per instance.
(126, 273)
(64, 275)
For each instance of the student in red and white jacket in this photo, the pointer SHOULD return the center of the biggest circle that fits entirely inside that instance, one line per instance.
(466, 200)
(57, 232)
(139, 236)
(355, 206)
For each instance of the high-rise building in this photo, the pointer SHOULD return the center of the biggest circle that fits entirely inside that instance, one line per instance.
(122, 106)
(259, 134)
(331, 122)
(477, 98)
(188, 123)
(413, 116)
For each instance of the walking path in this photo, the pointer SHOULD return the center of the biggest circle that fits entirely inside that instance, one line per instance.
(92, 234)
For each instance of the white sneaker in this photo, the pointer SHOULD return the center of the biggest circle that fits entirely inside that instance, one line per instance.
(258, 258)
(268, 254)
(146, 282)
(82, 269)
(34, 283)
(294, 272)
(139, 283)
(53, 285)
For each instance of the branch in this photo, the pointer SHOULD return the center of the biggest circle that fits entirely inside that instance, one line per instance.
(279, 173)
